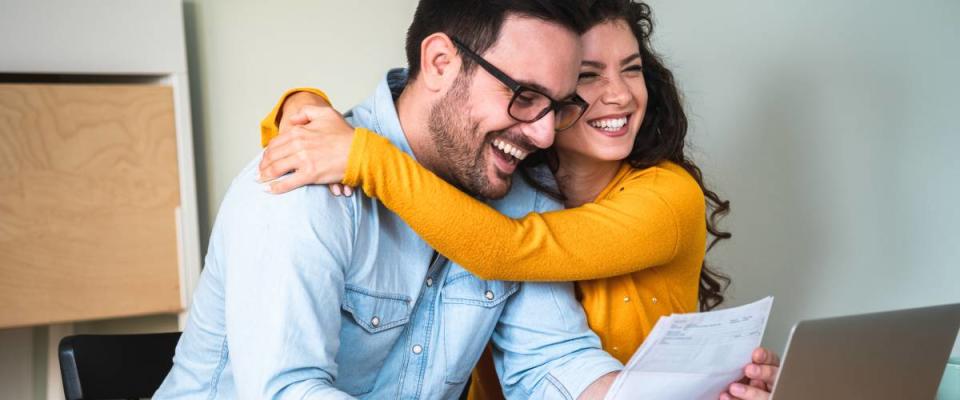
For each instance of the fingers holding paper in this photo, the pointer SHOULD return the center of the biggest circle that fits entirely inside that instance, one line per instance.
(759, 377)
(739, 391)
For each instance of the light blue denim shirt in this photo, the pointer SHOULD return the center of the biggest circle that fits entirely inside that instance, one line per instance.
(306, 295)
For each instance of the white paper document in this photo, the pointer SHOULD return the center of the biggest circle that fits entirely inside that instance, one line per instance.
(693, 356)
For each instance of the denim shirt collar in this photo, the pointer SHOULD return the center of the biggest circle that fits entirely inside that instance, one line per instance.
(381, 107)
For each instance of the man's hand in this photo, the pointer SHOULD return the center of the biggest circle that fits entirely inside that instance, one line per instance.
(314, 143)
(759, 378)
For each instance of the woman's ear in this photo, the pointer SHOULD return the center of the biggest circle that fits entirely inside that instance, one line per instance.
(439, 62)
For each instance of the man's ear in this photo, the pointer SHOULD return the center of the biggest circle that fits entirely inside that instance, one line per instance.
(439, 62)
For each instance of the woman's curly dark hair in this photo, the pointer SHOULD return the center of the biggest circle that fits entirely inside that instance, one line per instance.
(663, 132)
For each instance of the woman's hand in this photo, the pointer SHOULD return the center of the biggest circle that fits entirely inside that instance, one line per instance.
(759, 378)
(313, 145)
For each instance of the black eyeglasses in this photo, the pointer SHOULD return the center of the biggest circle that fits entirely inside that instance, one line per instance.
(529, 104)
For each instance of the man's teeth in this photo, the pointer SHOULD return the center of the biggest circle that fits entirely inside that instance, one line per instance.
(612, 124)
(510, 149)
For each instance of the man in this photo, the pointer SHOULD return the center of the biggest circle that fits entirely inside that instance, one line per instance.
(309, 296)
(305, 295)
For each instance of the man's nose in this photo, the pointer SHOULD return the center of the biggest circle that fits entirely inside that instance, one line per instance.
(542, 131)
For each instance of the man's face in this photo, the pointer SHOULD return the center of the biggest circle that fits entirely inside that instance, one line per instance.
(475, 136)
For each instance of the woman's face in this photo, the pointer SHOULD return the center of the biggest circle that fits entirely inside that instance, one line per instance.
(611, 79)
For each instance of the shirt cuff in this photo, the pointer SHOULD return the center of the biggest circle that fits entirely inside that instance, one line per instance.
(575, 376)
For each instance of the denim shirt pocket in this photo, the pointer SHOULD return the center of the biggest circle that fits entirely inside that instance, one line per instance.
(469, 303)
(371, 324)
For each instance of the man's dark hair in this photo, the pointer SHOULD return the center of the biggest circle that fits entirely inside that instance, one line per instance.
(477, 22)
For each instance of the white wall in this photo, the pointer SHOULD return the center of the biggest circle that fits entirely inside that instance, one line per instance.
(832, 127)
(17, 372)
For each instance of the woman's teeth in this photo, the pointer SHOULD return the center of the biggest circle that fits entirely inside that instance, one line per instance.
(510, 149)
(612, 124)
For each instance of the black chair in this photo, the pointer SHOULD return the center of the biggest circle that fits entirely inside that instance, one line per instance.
(115, 366)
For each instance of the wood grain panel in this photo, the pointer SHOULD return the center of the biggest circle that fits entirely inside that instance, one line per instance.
(88, 192)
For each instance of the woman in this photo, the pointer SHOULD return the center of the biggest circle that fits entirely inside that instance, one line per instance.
(634, 233)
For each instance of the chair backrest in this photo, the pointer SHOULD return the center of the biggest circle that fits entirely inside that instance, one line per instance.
(115, 366)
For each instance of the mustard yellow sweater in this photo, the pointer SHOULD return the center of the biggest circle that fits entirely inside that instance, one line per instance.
(635, 252)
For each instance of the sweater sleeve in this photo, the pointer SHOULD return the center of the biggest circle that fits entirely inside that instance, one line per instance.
(269, 126)
(641, 222)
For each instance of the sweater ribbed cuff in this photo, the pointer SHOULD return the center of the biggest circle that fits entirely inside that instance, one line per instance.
(355, 162)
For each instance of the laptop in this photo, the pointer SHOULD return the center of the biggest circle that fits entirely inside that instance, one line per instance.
(889, 355)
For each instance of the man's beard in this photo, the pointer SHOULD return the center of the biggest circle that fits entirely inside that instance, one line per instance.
(460, 145)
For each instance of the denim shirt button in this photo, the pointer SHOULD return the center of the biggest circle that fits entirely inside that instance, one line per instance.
(417, 349)
(429, 282)
(375, 322)
(488, 295)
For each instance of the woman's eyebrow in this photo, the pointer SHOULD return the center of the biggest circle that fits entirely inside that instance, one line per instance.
(595, 64)
(600, 65)
(629, 59)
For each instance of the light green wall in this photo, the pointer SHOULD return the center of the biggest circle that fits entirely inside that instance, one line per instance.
(244, 53)
(832, 127)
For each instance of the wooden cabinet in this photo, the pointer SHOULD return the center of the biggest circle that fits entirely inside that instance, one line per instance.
(98, 200)
(89, 199)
